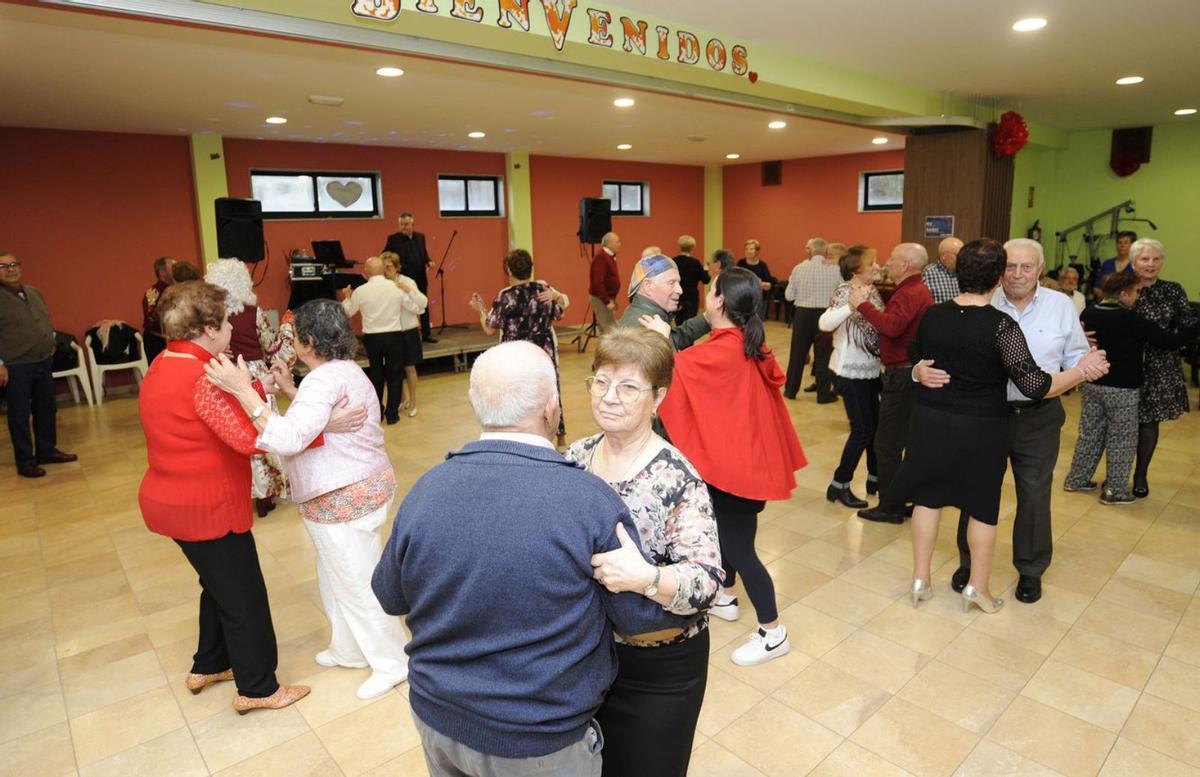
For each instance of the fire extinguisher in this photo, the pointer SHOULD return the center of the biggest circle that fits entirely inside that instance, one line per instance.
(1035, 232)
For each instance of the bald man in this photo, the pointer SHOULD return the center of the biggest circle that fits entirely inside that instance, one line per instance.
(605, 282)
(939, 276)
(381, 304)
(897, 324)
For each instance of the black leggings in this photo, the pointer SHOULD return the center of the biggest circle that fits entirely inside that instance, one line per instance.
(649, 715)
(737, 523)
(1147, 442)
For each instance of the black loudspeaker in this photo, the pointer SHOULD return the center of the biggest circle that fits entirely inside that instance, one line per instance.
(595, 219)
(772, 173)
(239, 229)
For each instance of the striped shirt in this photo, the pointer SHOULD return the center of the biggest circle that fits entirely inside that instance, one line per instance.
(812, 283)
(942, 283)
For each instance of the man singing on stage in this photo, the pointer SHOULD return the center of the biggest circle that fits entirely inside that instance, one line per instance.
(414, 259)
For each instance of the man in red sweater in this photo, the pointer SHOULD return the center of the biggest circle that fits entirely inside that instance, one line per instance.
(605, 283)
(897, 324)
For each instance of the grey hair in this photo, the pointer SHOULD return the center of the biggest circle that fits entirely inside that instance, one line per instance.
(1068, 269)
(818, 245)
(1032, 245)
(1139, 247)
(322, 324)
(510, 383)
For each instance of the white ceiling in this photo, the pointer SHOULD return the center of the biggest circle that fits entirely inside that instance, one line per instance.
(1061, 75)
(68, 70)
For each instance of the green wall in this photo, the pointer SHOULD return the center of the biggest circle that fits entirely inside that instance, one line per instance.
(1076, 182)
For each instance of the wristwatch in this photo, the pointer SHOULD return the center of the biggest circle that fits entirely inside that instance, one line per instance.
(652, 589)
(258, 411)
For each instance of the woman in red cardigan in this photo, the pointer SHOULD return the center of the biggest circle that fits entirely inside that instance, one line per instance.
(725, 412)
(196, 491)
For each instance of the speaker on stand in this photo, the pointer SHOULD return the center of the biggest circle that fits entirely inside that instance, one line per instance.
(595, 221)
(239, 229)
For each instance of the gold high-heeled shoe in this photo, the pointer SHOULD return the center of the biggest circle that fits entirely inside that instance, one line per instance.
(921, 592)
(285, 696)
(971, 595)
(198, 682)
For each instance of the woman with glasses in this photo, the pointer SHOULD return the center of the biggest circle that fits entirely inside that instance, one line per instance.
(649, 716)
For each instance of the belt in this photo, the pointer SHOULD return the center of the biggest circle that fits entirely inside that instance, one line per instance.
(898, 366)
(1025, 406)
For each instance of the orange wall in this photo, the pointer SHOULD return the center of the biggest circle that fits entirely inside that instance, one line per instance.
(409, 184)
(818, 198)
(87, 213)
(558, 183)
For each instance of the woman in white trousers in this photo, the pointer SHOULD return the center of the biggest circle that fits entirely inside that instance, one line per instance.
(343, 484)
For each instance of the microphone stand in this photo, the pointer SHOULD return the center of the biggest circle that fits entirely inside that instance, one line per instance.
(441, 275)
(592, 330)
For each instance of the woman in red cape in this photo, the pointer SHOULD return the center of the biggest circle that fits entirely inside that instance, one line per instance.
(725, 412)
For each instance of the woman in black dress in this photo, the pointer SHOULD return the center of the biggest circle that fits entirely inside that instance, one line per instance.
(1164, 392)
(958, 437)
(525, 310)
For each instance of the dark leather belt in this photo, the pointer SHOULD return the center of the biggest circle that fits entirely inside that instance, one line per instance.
(1024, 406)
(898, 366)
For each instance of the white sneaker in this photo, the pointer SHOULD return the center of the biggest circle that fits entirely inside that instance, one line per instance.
(762, 647)
(725, 610)
(325, 658)
(379, 684)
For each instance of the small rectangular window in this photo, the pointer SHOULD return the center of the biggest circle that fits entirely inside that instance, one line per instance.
(469, 195)
(299, 194)
(881, 190)
(628, 198)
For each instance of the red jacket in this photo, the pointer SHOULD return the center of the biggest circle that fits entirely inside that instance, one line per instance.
(605, 283)
(726, 414)
(898, 321)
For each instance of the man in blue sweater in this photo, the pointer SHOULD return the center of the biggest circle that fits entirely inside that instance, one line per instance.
(490, 559)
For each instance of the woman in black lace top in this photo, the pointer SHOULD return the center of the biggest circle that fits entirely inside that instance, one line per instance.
(958, 438)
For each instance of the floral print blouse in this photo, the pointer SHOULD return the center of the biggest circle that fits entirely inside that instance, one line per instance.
(672, 510)
(520, 315)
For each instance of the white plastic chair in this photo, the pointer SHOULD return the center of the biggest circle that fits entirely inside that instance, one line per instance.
(80, 374)
(139, 366)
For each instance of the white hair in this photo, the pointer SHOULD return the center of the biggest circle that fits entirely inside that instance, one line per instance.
(510, 383)
(817, 245)
(1068, 270)
(1139, 247)
(1032, 245)
(232, 276)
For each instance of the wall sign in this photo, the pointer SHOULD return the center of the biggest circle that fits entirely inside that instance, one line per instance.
(939, 226)
(635, 36)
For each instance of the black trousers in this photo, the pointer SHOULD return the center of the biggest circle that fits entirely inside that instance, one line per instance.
(861, 399)
(804, 334)
(423, 287)
(235, 617)
(1033, 441)
(688, 308)
(385, 357)
(737, 525)
(31, 391)
(895, 410)
(649, 715)
(154, 345)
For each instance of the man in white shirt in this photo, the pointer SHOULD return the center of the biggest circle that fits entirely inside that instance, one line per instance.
(1057, 342)
(1068, 283)
(381, 304)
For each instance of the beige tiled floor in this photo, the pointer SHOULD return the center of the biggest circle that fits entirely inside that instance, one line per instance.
(98, 620)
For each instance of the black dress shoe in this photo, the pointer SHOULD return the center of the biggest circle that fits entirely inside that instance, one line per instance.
(826, 400)
(1029, 589)
(812, 389)
(430, 339)
(392, 419)
(57, 457)
(845, 496)
(788, 396)
(31, 471)
(1141, 489)
(960, 578)
(880, 516)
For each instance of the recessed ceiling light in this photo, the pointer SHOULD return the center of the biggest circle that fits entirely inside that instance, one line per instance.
(733, 156)
(477, 135)
(276, 120)
(777, 124)
(1185, 111)
(389, 72)
(1029, 25)
(1129, 80)
(624, 102)
(623, 147)
(879, 141)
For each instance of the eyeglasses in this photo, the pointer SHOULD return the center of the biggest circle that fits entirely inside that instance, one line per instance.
(11, 266)
(626, 392)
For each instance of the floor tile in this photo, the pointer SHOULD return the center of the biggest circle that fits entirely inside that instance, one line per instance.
(1146, 598)
(1032, 628)
(726, 699)
(371, 736)
(764, 677)
(125, 724)
(837, 700)
(45, 752)
(880, 576)
(795, 580)
(1176, 682)
(1087, 696)
(777, 740)
(918, 629)
(1173, 577)
(963, 699)
(30, 710)
(1133, 626)
(846, 602)
(1129, 759)
(712, 760)
(1056, 739)
(850, 759)
(228, 738)
(303, 756)
(1166, 727)
(170, 755)
(915, 739)
(991, 659)
(989, 759)
(1185, 645)
(101, 685)
(876, 660)
(813, 632)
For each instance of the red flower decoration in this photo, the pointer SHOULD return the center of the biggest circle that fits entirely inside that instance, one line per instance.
(1010, 135)
(753, 77)
(1124, 163)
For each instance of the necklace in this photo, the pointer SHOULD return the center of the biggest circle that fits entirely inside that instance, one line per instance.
(631, 468)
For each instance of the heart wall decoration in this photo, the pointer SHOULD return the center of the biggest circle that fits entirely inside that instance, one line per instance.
(345, 194)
